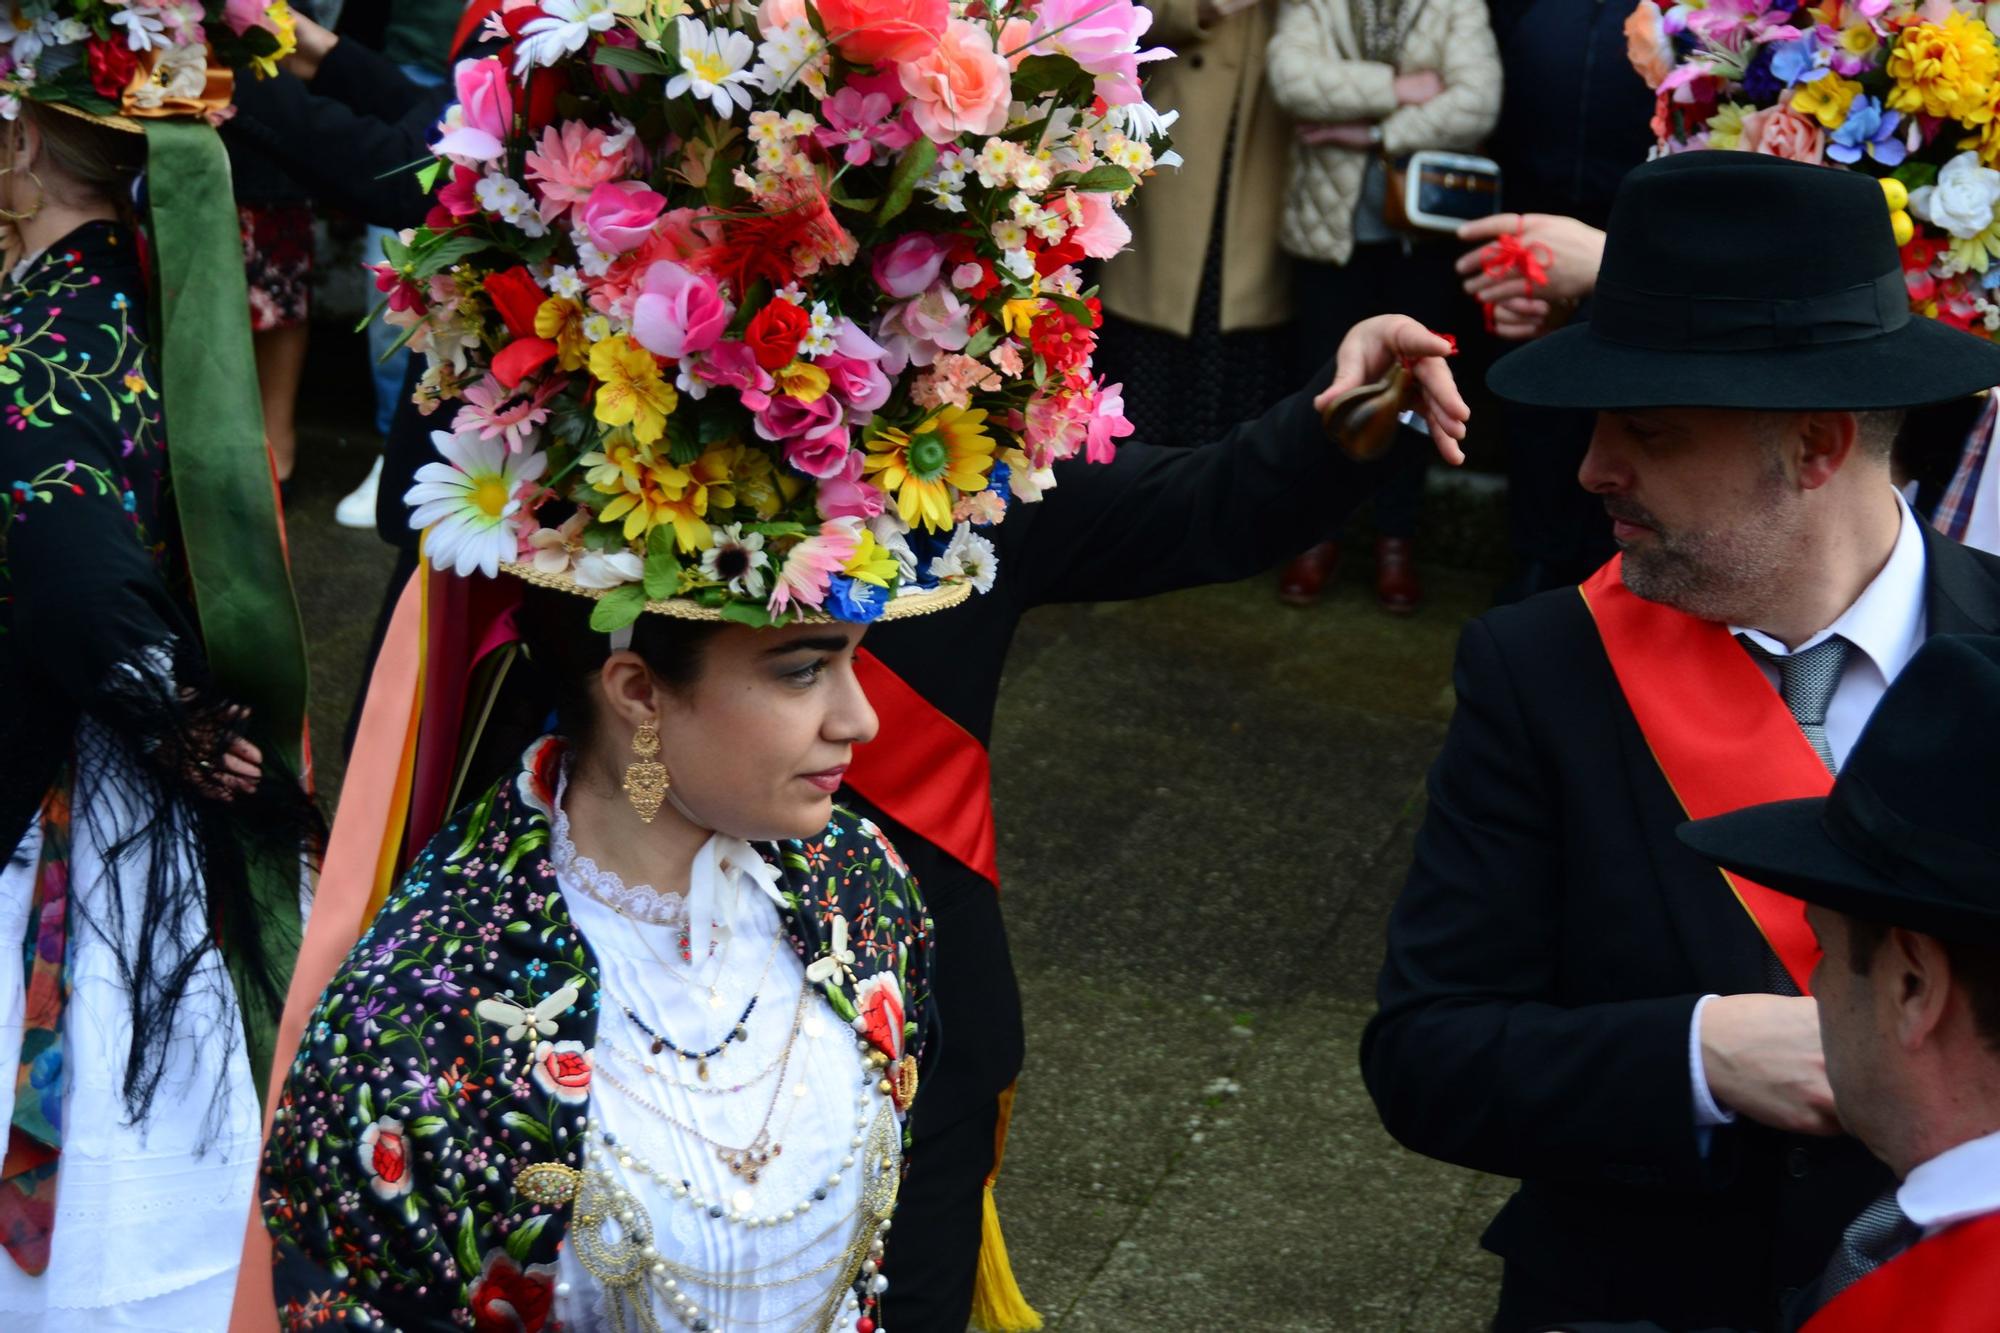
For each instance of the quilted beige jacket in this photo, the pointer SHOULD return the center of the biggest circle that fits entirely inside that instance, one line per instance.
(1317, 71)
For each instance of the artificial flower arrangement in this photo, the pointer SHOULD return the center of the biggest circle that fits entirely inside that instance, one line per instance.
(138, 58)
(1904, 91)
(767, 311)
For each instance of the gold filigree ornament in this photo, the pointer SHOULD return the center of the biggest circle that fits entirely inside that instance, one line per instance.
(550, 1184)
(646, 779)
(904, 1079)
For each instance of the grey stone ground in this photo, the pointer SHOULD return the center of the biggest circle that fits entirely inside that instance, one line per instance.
(1206, 803)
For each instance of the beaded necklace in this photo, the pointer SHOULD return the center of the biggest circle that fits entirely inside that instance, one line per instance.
(738, 1031)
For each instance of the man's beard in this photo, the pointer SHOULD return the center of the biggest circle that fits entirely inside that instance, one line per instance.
(1729, 575)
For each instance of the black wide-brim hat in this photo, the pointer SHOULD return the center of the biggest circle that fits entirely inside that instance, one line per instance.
(1910, 834)
(1736, 280)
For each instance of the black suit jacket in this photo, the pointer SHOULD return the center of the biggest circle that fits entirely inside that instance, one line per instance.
(1544, 961)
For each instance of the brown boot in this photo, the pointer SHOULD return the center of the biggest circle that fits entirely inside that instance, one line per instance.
(1396, 586)
(1302, 580)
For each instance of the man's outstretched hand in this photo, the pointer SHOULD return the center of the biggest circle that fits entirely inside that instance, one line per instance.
(1374, 345)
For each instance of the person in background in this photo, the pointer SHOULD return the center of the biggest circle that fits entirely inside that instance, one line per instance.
(1574, 119)
(1368, 83)
(1197, 313)
(417, 37)
(277, 221)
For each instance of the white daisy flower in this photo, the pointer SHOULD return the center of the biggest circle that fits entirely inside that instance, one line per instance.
(713, 67)
(566, 282)
(471, 502)
(562, 30)
(968, 558)
(736, 560)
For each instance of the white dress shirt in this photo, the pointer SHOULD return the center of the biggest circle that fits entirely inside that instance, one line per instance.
(1884, 627)
(1955, 1186)
(732, 900)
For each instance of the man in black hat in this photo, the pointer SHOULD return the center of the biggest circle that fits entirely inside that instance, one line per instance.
(1900, 868)
(1570, 995)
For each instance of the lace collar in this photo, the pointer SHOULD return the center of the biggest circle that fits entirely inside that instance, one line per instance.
(713, 882)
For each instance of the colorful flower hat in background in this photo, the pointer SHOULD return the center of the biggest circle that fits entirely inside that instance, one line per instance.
(1907, 92)
(120, 63)
(765, 314)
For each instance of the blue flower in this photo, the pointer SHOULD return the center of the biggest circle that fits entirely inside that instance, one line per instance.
(1800, 61)
(854, 601)
(926, 547)
(1871, 129)
(538, 969)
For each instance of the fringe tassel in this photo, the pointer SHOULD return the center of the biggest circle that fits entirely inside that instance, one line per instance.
(997, 1303)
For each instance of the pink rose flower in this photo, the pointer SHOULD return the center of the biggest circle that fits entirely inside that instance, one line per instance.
(562, 1070)
(843, 494)
(858, 383)
(619, 215)
(1103, 37)
(815, 432)
(959, 87)
(909, 265)
(1099, 230)
(572, 161)
(678, 312)
(485, 111)
(875, 32)
(1777, 132)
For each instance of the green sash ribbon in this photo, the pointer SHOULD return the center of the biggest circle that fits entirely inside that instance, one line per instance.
(223, 488)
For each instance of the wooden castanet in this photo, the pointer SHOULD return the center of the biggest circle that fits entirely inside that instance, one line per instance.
(1363, 421)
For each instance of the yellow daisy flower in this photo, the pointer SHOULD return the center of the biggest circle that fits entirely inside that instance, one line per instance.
(650, 491)
(871, 562)
(919, 467)
(630, 390)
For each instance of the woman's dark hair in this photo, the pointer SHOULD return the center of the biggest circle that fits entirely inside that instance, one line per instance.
(104, 161)
(567, 654)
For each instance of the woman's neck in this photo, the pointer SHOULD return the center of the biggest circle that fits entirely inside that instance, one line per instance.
(606, 829)
(55, 220)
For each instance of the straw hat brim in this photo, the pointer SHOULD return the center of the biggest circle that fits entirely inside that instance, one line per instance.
(918, 603)
(116, 122)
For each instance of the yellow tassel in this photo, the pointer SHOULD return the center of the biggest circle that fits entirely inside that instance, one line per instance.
(997, 1303)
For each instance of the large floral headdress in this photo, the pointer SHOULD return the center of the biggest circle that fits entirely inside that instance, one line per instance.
(765, 313)
(116, 60)
(1907, 91)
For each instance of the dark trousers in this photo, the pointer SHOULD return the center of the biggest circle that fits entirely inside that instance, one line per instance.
(933, 1249)
(1380, 279)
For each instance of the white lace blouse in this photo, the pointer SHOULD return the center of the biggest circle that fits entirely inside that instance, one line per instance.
(680, 974)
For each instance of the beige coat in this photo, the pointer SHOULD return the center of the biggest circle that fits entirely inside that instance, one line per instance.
(1216, 82)
(1317, 73)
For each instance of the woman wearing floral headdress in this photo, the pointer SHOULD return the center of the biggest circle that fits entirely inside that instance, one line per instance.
(149, 898)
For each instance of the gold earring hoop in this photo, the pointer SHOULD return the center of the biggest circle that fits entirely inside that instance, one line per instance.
(41, 196)
(646, 779)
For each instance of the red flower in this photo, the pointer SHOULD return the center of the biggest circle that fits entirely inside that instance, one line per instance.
(959, 252)
(111, 67)
(517, 298)
(1060, 339)
(1058, 256)
(775, 332)
(507, 1298)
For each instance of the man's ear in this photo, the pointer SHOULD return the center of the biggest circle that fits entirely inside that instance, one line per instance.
(1826, 440)
(1918, 970)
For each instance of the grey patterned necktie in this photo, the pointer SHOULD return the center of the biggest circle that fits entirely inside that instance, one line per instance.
(1806, 682)
(1878, 1235)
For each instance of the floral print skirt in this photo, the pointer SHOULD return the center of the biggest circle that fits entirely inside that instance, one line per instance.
(278, 262)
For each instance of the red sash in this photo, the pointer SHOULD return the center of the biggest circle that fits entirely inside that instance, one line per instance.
(1947, 1284)
(925, 771)
(1719, 732)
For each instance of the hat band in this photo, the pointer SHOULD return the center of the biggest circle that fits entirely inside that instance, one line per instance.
(1864, 826)
(1679, 322)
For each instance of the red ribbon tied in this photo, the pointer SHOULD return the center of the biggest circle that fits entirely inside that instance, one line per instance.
(1511, 257)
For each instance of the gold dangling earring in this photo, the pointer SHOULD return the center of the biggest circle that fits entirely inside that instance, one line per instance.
(646, 780)
(41, 196)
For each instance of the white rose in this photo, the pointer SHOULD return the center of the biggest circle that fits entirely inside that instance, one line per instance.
(1963, 199)
(608, 569)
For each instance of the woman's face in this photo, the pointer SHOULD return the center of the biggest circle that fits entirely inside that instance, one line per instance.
(758, 745)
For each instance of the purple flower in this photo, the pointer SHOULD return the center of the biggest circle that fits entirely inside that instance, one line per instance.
(425, 1088)
(368, 1011)
(439, 982)
(1758, 82)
